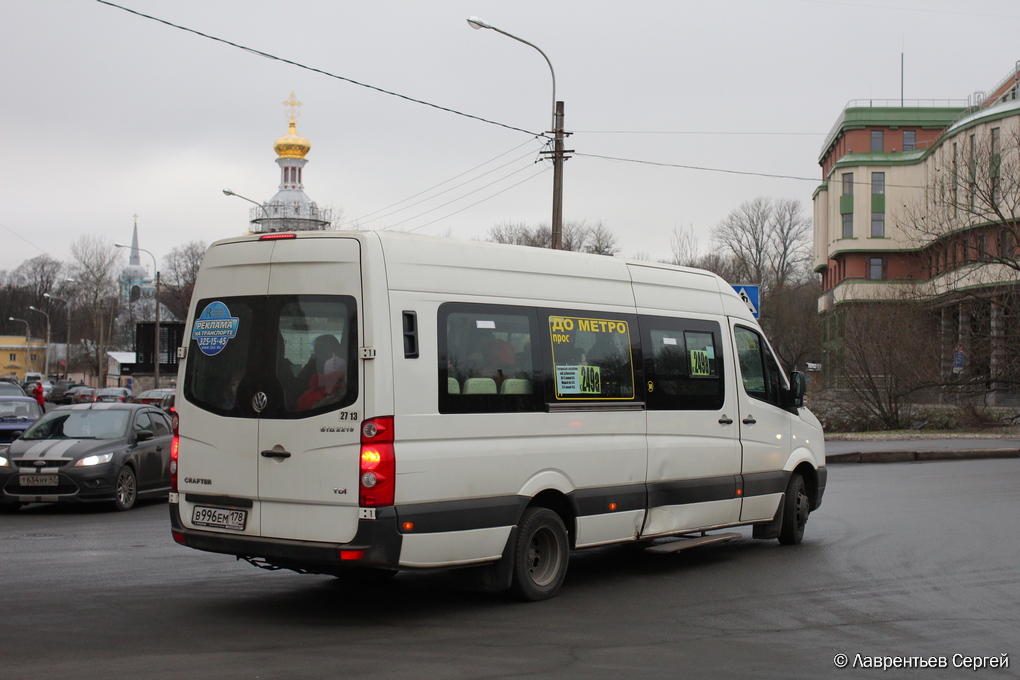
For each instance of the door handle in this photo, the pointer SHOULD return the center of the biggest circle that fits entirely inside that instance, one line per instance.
(725, 420)
(273, 453)
(749, 420)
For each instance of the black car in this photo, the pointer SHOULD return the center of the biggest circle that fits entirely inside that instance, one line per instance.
(88, 453)
(61, 387)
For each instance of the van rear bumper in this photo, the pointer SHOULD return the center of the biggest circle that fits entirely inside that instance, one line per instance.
(378, 538)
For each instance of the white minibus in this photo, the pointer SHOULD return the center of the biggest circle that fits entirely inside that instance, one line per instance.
(360, 403)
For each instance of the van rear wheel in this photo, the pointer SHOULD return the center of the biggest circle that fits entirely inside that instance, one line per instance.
(540, 555)
(796, 508)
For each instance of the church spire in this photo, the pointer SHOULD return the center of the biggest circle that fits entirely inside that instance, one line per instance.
(135, 258)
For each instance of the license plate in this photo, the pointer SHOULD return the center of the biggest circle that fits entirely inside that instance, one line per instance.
(38, 480)
(219, 518)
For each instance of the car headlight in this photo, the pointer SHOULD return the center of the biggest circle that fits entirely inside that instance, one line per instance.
(4, 462)
(95, 460)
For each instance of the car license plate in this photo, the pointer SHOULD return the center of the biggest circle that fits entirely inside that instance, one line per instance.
(219, 518)
(38, 480)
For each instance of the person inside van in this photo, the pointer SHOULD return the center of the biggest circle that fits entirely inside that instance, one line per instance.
(287, 372)
(325, 374)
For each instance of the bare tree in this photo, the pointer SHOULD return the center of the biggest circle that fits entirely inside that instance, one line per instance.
(683, 247)
(768, 240)
(575, 236)
(181, 266)
(888, 354)
(513, 233)
(39, 275)
(790, 319)
(601, 240)
(93, 266)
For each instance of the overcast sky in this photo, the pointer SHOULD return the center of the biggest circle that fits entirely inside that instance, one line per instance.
(107, 114)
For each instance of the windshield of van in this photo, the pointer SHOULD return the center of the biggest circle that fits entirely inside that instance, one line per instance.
(273, 357)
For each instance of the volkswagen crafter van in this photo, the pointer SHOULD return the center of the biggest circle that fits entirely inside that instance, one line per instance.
(358, 403)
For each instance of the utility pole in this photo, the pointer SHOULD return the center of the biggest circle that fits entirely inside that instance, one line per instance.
(557, 215)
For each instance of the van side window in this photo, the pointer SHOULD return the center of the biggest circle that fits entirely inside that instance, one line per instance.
(684, 367)
(592, 356)
(759, 371)
(487, 359)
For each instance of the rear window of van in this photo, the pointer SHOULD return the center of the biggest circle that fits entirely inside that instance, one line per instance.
(283, 356)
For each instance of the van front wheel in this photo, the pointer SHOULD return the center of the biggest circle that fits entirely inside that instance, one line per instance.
(540, 556)
(795, 511)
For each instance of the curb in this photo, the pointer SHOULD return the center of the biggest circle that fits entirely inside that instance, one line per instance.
(913, 456)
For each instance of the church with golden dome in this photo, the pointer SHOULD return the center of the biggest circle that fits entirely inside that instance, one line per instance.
(290, 209)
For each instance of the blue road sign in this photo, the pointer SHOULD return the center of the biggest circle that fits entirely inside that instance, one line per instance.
(749, 293)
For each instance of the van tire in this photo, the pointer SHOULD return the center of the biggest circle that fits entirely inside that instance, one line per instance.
(540, 555)
(125, 490)
(796, 508)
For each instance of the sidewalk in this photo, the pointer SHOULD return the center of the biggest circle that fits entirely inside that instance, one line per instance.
(897, 448)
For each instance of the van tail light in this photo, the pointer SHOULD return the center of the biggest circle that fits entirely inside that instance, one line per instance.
(377, 476)
(175, 444)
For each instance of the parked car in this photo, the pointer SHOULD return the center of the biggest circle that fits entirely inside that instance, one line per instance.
(60, 388)
(168, 405)
(153, 397)
(29, 386)
(110, 452)
(113, 394)
(8, 389)
(16, 415)
(80, 395)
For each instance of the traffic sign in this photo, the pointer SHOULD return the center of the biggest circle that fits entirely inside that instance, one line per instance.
(749, 293)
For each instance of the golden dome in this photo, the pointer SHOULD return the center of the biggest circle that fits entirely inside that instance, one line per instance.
(292, 145)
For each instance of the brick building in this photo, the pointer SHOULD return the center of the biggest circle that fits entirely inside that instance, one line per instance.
(920, 202)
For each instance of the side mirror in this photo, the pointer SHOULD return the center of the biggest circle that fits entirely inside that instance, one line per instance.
(143, 435)
(798, 386)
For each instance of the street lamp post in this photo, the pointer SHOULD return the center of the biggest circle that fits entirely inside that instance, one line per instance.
(28, 332)
(46, 359)
(155, 361)
(558, 137)
(67, 343)
(228, 192)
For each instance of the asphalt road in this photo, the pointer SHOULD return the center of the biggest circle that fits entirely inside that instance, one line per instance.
(904, 559)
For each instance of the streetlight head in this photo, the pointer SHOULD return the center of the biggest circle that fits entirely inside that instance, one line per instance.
(228, 192)
(476, 23)
(34, 307)
(119, 245)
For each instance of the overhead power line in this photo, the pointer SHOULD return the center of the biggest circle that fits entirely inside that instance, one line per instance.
(730, 172)
(363, 219)
(320, 71)
(696, 167)
(475, 191)
(697, 132)
(526, 179)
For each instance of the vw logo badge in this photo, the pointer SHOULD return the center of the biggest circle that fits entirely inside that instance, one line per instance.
(259, 401)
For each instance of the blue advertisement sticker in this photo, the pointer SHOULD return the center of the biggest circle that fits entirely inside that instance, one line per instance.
(214, 328)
